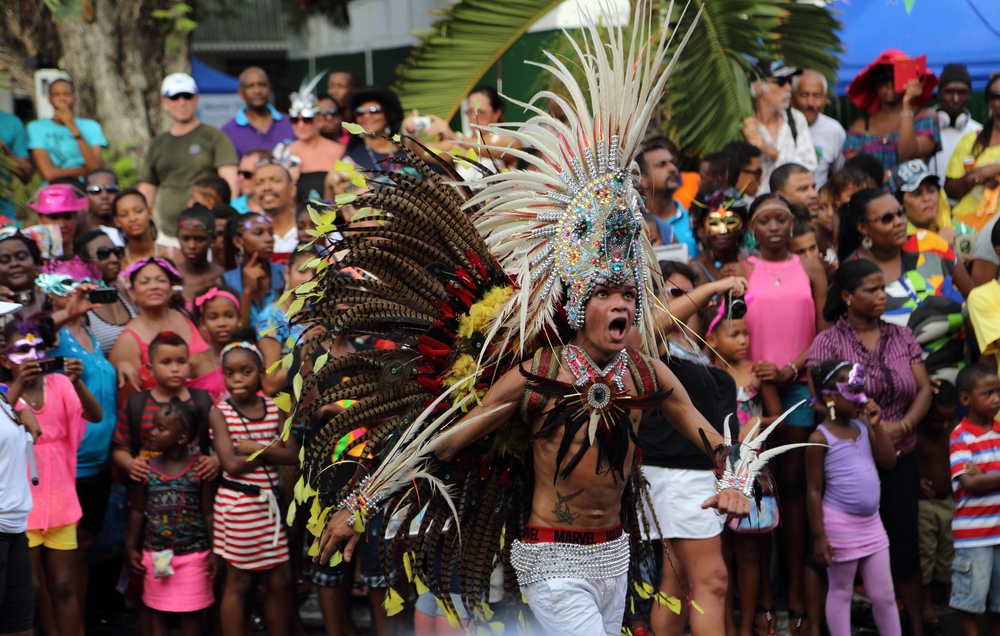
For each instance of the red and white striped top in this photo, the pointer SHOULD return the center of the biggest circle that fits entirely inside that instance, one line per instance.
(263, 431)
(977, 515)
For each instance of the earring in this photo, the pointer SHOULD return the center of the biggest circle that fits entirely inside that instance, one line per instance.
(833, 413)
(866, 242)
(387, 130)
(848, 303)
(241, 253)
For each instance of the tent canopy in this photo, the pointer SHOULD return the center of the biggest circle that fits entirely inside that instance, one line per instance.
(211, 81)
(947, 31)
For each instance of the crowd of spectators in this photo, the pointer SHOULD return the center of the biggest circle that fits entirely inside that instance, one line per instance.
(795, 253)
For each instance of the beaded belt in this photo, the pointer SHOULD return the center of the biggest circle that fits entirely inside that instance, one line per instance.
(543, 561)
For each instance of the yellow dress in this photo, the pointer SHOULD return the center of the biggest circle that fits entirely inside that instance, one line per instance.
(956, 170)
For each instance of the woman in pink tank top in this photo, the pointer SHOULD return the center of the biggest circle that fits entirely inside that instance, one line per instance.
(785, 296)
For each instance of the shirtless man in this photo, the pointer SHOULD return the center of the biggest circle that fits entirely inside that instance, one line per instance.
(574, 518)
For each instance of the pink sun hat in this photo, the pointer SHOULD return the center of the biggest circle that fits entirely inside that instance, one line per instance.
(57, 198)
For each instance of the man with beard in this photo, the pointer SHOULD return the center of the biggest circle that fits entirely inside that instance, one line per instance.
(258, 124)
(780, 131)
(275, 192)
(101, 186)
(809, 92)
(658, 180)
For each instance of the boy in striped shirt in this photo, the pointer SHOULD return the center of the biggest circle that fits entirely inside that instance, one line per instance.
(974, 450)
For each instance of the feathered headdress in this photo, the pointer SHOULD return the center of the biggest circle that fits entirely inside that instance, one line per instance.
(303, 101)
(62, 277)
(574, 222)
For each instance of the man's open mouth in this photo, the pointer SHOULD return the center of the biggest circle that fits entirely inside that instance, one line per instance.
(617, 327)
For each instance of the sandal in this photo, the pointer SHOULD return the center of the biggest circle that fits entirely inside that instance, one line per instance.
(796, 619)
(769, 614)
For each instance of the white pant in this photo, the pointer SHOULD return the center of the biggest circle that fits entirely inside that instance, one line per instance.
(578, 607)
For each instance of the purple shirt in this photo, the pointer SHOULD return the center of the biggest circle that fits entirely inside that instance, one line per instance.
(849, 473)
(890, 380)
(246, 137)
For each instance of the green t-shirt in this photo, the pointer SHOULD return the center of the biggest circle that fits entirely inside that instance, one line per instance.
(174, 163)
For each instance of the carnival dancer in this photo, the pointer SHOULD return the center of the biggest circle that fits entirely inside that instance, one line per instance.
(508, 449)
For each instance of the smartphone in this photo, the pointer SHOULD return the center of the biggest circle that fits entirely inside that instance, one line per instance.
(102, 296)
(51, 365)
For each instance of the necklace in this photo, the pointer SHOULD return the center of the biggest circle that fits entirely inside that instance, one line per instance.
(33, 403)
(777, 278)
(595, 383)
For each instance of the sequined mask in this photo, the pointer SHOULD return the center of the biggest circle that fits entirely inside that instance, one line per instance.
(722, 221)
(26, 348)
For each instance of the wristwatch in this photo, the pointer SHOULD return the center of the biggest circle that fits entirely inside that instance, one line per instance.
(78, 136)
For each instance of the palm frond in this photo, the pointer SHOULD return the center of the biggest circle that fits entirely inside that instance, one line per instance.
(8, 166)
(461, 45)
(708, 95)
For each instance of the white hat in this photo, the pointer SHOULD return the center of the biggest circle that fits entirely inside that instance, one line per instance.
(177, 83)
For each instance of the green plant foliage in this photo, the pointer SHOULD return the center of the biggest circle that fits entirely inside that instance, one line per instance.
(299, 12)
(8, 165)
(708, 96)
(461, 45)
(65, 9)
(121, 163)
(23, 192)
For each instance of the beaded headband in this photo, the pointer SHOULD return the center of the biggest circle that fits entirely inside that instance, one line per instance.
(774, 204)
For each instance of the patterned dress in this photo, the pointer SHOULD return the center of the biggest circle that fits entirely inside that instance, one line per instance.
(886, 148)
(174, 516)
(249, 531)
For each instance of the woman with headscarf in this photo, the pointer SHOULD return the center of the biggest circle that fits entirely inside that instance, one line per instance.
(893, 128)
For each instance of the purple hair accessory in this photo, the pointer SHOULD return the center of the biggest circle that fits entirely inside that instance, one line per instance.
(250, 223)
(142, 262)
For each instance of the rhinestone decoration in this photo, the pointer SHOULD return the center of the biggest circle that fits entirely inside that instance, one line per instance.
(536, 562)
(599, 396)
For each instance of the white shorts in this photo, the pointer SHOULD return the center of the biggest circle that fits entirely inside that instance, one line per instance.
(677, 495)
(578, 607)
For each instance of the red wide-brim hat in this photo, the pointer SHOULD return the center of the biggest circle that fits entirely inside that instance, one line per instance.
(861, 90)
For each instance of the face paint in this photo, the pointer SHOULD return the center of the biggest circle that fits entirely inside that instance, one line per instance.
(24, 349)
(722, 222)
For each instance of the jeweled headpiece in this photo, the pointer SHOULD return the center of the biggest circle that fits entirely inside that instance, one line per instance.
(62, 277)
(574, 221)
(303, 101)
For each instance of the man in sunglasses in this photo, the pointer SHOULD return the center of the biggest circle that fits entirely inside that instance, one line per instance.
(258, 124)
(101, 186)
(809, 92)
(780, 131)
(65, 145)
(176, 158)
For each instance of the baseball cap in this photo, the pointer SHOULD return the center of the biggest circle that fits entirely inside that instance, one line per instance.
(908, 176)
(776, 69)
(177, 83)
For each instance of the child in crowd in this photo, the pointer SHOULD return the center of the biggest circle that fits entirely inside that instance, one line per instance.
(304, 222)
(135, 220)
(62, 405)
(196, 233)
(209, 191)
(221, 214)
(169, 364)
(217, 312)
(843, 496)
(249, 247)
(803, 240)
(974, 450)
(728, 341)
(824, 215)
(274, 326)
(169, 537)
(937, 507)
(652, 229)
(249, 527)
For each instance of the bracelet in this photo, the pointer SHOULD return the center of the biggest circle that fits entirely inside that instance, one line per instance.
(78, 136)
(906, 113)
(729, 481)
(359, 501)
(795, 369)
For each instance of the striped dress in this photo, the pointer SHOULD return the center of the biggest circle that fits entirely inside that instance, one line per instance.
(249, 532)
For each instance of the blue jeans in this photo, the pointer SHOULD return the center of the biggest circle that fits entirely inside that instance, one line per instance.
(975, 577)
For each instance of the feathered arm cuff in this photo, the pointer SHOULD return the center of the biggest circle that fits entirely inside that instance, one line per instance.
(360, 501)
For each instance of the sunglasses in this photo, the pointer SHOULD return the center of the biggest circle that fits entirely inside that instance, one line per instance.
(103, 253)
(889, 217)
(300, 119)
(246, 174)
(187, 96)
(96, 189)
(329, 113)
(780, 81)
(757, 174)
(371, 110)
(676, 292)
(994, 95)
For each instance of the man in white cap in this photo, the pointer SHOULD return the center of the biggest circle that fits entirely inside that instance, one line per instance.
(187, 151)
(780, 131)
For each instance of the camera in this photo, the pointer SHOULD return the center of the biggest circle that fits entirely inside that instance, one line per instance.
(421, 124)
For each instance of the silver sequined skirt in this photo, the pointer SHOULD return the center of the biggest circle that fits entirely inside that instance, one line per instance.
(535, 562)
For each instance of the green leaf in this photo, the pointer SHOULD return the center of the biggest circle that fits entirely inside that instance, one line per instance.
(454, 54)
(354, 129)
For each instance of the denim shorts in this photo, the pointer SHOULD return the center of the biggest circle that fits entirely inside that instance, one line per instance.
(790, 395)
(975, 577)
